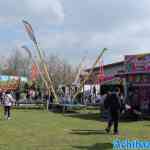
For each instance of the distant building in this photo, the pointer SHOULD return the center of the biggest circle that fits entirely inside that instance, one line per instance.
(109, 70)
(132, 75)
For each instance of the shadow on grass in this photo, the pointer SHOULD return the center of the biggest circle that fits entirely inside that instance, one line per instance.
(95, 117)
(28, 108)
(87, 116)
(97, 146)
(147, 125)
(87, 132)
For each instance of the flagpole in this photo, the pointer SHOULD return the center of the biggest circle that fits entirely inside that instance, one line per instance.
(79, 69)
(30, 32)
(45, 82)
(90, 73)
(38, 67)
(46, 71)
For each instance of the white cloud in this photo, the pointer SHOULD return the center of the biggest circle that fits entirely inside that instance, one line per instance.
(45, 11)
(50, 9)
(69, 27)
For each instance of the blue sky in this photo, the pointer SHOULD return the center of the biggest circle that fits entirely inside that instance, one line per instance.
(70, 28)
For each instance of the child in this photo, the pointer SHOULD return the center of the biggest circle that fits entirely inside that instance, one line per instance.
(8, 101)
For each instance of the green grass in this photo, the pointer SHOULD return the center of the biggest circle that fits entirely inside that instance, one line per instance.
(41, 130)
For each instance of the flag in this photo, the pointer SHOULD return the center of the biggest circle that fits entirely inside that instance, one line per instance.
(101, 72)
(27, 50)
(34, 72)
(30, 31)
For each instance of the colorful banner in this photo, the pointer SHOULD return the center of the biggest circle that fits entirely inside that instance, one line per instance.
(137, 63)
(7, 78)
(30, 31)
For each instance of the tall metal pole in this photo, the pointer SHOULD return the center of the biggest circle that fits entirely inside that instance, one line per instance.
(30, 32)
(46, 71)
(90, 73)
(38, 67)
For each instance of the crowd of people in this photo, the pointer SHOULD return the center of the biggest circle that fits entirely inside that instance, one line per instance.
(113, 101)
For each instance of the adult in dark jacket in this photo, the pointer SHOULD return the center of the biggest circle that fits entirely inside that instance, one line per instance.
(113, 105)
(17, 96)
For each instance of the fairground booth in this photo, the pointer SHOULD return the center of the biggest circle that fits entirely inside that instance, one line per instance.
(137, 77)
(11, 82)
(132, 76)
(104, 78)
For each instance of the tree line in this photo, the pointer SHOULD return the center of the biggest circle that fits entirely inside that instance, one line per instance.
(19, 64)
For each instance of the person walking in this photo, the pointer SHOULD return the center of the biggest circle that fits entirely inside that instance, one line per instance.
(50, 101)
(94, 93)
(8, 101)
(113, 105)
(17, 96)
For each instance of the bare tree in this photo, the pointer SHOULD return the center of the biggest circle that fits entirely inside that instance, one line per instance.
(17, 64)
(61, 71)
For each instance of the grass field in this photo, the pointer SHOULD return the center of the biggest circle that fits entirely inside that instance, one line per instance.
(41, 130)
